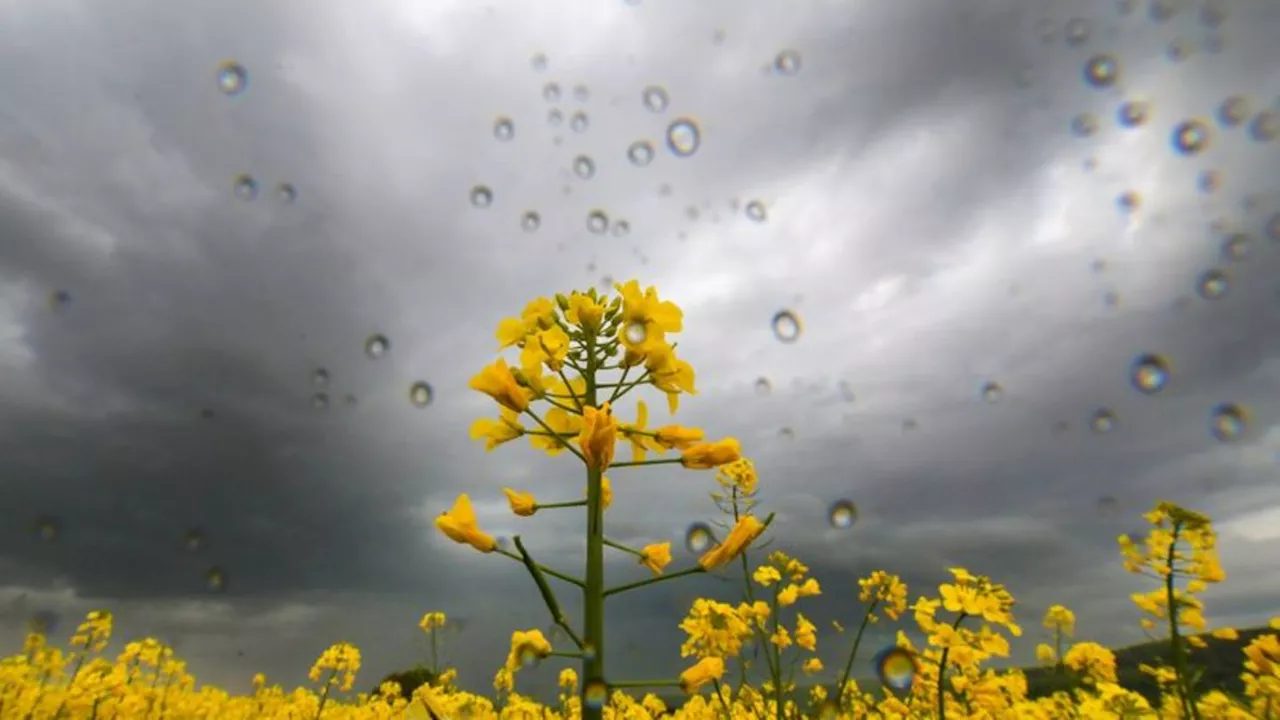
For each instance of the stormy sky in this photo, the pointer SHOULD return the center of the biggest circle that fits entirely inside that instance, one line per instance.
(951, 197)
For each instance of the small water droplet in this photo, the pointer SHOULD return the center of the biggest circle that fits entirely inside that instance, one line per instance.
(1129, 201)
(376, 346)
(698, 538)
(1208, 181)
(1163, 10)
(538, 62)
(1108, 505)
(597, 222)
(527, 655)
(846, 391)
(655, 98)
(762, 386)
(1102, 71)
(551, 92)
(320, 401)
(1233, 111)
(1179, 49)
(584, 167)
(581, 93)
(1265, 126)
(1190, 137)
(1273, 227)
(244, 187)
(421, 394)
(755, 211)
(504, 128)
(48, 528)
(530, 221)
(59, 300)
(1149, 374)
(991, 392)
(232, 78)
(640, 153)
(595, 694)
(1213, 13)
(1084, 125)
(786, 433)
(1212, 284)
(215, 578)
(1102, 421)
(1078, 31)
(842, 514)
(1227, 422)
(481, 196)
(621, 228)
(1236, 247)
(787, 62)
(786, 326)
(320, 377)
(193, 540)
(554, 117)
(578, 122)
(683, 137)
(1133, 113)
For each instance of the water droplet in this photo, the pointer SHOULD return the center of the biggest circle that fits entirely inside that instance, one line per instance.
(554, 117)
(846, 391)
(595, 694)
(215, 578)
(910, 424)
(786, 326)
(1213, 13)
(320, 377)
(232, 78)
(350, 400)
(1190, 137)
(420, 394)
(1273, 227)
(635, 333)
(1129, 201)
(320, 401)
(1078, 31)
(991, 392)
(375, 346)
(551, 92)
(655, 98)
(1102, 71)
(1102, 421)
(1212, 284)
(1163, 10)
(1233, 111)
(588, 651)
(503, 128)
(1227, 422)
(597, 222)
(1179, 49)
(640, 153)
(842, 514)
(538, 62)
(194, 540)
(48, 528)
(530, 221)
(762, 386)
(244, 187)
(527, 655)
(1045, 30)
(583, 167)
(1236, 246)
(621, 228)
(1084, 125)
(59, 299)
(1111, 298)
(755, 211)
(698, 538)
(481, 196)
(1133, 113)
(581, 93)
(578, 122)
(896, 668)
(1208, 181)
(1108, 505)
(787, 62)
(1265, 126)
(683, 137)
(1149, 374)
(786, 433)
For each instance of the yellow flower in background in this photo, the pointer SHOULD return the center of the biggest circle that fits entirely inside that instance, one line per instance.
(499, 383)
(706, 670)
(656, 556)
(1059, 619)
(705, 456)
(341, 663)
(522, 503)
(432, 620)
(599, 436)
(527, 646)
(1046, 654)
(459, 525)
(741, 536)
(1226, 634)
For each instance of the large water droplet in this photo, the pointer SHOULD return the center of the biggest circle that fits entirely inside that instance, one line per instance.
(551, 92)
(755, 211)
(320, 377)
(991, 392)
(762, 386)
(232, 78)
(842, 514)
(1102, 421)
(683, 137)
(595, 694)
(640, 153)
(215, 578)
(786, 326)
(320, 401)
(1236, 246)
(1149, 374)
(554, 117)
(698, 538)
(1133, 113)
(597, 222)
(655, 98)
(1084, 125)
(1265, 126)
(896, 668)
(1233, 111)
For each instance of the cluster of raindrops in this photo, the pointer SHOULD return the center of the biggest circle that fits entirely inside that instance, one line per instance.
(232, 79)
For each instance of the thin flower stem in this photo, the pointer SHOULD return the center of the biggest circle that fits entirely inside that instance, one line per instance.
(942, 672)
(545, 570)
(548, 596)
(557, 653)
(661, 461)
(857, 640)
(547, 427)
(1175, 638)
(697, 569)
(624, 548)
(550, 506)
(577, 401)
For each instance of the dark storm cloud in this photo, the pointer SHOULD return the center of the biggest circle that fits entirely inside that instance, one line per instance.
(916, 201)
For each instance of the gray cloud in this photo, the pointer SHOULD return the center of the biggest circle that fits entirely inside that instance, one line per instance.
(930, 220)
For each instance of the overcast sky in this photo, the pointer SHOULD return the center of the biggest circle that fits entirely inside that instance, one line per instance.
(930, 217)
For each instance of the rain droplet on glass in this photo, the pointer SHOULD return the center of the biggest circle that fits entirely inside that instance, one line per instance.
(504, 128)
(655, 98)
(786, 326)
(640, 153)
(232, 78)
(481, 196)
(375, 346)
(597, 222)
(1149, 373)
(421, 394)
(683, 137)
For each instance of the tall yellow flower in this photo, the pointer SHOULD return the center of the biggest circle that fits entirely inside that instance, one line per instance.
(459, 525)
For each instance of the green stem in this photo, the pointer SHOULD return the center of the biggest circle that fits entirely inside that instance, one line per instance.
(724, 704)
(545, 570)
(435, 656)
(857, 640)
(544, 589)
(615, 394)
(593, 593)
(549, 506)
(568, 446)
(623, 548)
(558, 653)
(942, 672)
(324, 696)
(577, 401)
(653, 580)
(660, 461)
(1175, 638)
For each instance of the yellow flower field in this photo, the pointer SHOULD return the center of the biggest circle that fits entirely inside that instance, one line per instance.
(579, 356)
